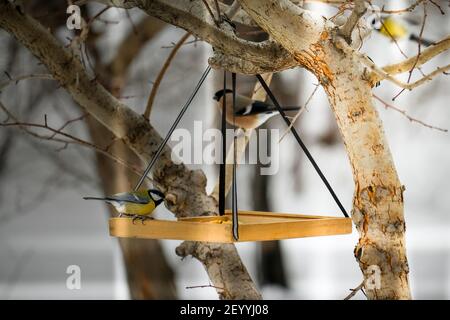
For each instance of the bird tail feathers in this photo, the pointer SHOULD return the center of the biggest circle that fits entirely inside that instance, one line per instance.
(96, 198)
(421, 40)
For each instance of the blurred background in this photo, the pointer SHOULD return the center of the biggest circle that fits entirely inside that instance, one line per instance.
(45, 226)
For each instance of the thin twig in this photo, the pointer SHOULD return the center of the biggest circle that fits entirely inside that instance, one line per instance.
(91, 20)
(71, 139)
(208, 8)
(359, 10)
(233, 9)
(437, 6)
(403, 112)
(205, 286)
(68, 123)
(16, 80)
(419, 49)
(392, 38)
(354, 291)
(305, 107)
(162, 72)
(381, 74)
(408, 9)
(218, 10)
(173, 44)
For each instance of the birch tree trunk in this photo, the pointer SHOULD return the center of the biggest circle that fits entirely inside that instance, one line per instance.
(378, 199)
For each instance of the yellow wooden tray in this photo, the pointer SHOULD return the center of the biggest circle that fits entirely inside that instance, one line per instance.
(253, 226)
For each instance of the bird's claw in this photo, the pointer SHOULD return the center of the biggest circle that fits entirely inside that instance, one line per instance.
(142, 218)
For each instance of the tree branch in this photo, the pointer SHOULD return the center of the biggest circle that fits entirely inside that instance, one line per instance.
(380, 74)
(71, 138)
(412, 85)
(161, 74)
(358, 11)
(407, 9)
(194, 18)
(418, 60)
(16, 80)
(128, 50)
(407, 116)
(354, 291)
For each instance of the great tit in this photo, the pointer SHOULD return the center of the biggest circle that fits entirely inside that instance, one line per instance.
(397, 28)
(249, 114)
(136, 204)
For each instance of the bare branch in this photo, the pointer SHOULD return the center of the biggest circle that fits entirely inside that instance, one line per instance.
(419, 48)
(71, 139)
(403, 112)
(129, 48)
(358, 11)
(418, 60)
(16, 80)
(383, 75)
(407, 9)
(194, 18)
(67, 123)
(239, 65)
(300, 112)
(233, 9)
(204, 286)
(354, 291)
(226, 287)
(427, 77)
(161, 74)
(208, 8)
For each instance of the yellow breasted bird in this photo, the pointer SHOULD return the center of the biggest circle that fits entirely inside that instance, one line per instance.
(136, 204)
(396, 28)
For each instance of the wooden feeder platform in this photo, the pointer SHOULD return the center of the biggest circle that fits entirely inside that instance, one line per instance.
(253, 226)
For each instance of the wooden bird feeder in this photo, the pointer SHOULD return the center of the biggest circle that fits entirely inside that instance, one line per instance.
(253, 226)
(236, 226)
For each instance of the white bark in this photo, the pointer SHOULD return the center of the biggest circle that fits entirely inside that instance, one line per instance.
(378, 201)
(266, 56)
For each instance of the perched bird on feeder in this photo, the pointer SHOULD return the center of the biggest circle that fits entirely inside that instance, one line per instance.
(249, 114)
(397, 29)
(136, 204)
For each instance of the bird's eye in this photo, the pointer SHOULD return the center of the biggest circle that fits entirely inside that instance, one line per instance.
(375, 22)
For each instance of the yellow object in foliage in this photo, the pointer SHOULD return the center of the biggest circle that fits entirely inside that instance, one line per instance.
(393, 28)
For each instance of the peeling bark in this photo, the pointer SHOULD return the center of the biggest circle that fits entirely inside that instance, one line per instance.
(378, 201)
